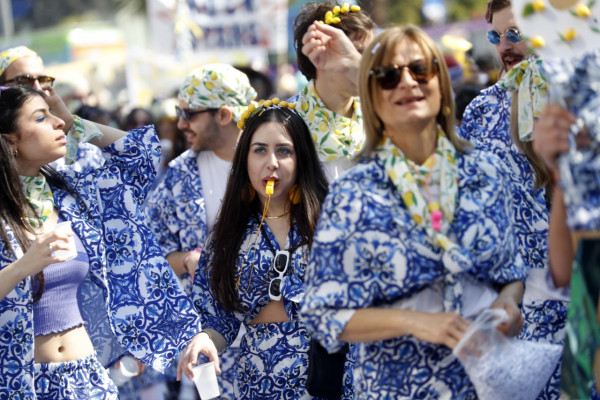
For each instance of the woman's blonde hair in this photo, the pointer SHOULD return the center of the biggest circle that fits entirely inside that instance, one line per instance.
(380, 52)
(543, 178)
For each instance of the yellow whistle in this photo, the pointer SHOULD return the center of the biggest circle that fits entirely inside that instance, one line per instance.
(269, 189)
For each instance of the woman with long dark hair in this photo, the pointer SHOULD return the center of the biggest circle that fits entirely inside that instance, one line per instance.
(252, 270)
(64, 317)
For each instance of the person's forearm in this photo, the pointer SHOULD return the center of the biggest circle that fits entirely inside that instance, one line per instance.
(513, 290)
(109, 136)
(372, 324)
(560, 246)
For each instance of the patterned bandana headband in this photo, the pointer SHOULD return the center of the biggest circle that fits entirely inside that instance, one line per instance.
(334, 16)
(9, 56)
(260, 107)
(216, 86)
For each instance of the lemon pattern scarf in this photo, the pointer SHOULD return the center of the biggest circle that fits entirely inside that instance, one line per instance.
(439, 169)
(335, 136)
(38, 192)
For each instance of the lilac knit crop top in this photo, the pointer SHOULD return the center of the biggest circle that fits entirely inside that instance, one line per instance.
(58, 308)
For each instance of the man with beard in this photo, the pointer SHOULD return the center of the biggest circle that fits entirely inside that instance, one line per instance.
(486, 124)
(183, 208)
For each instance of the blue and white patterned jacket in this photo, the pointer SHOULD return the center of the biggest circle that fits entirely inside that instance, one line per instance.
(131, 301)
(368, 252)
(486, 124)
(176, 211)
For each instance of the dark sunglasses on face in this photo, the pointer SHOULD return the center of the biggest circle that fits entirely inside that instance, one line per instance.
(187, 114)
(280, 265)
(512, 34)
(29, 80)
(389, 76)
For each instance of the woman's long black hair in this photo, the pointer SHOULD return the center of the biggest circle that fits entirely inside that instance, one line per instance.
(235, 213)
(13, 203)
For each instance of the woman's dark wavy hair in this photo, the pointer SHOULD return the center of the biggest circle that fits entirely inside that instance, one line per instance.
(358, 24)
(13, 203)
(235, 214)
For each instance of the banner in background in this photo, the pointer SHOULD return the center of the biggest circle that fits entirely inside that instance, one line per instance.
(187, 28)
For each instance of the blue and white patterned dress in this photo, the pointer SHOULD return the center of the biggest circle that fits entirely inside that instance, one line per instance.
(368, 252)
(130, 301)
(486, 124)
(273, 357)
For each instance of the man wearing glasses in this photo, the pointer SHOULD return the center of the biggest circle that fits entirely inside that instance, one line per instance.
(486, 124)
(22, 66)
(183, 208)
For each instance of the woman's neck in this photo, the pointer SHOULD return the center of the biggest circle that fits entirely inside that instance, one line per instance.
(417, 143)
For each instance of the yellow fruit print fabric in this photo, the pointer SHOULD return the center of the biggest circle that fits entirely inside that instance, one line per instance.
(439, 169)
(38, 192)
(215, 86)
(528, 80)
(334, 135)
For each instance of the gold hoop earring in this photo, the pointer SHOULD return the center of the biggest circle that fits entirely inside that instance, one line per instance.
(295, 194)
(248, 193)
(446, 111)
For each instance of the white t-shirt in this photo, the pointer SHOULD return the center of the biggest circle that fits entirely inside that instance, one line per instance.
(214, 172)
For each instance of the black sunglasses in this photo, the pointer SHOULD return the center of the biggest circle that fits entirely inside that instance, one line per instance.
(512, 34)
(280, 265)
(187, 114)
(29, 80)
(389, 76)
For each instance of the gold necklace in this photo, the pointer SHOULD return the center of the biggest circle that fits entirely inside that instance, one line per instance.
(278, 216)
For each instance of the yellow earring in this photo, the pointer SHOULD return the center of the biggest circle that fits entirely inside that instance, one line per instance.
(295, 194)
(446, 111)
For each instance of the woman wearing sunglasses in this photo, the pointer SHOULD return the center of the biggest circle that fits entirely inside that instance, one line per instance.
(65, 315)
(415, 240)
(252, 269)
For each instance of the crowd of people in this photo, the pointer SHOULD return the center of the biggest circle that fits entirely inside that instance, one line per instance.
(337, 244)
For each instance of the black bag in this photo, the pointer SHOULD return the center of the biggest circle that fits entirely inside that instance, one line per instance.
(325, 371)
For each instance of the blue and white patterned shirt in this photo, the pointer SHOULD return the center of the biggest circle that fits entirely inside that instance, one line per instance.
(131, 301)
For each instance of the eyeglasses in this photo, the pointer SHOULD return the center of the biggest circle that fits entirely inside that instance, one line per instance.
(390, 76)
(512, 34)
(280, 265)
(29, 80)
(187, 114)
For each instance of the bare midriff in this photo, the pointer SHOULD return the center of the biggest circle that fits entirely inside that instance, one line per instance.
(70, 345)
(271, 313)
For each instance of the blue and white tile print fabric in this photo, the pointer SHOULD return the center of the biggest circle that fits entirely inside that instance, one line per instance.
(131, 301)
(368, 252)
(575, 82)
(176, 211)
(278, 353)
(486, 124)
(289, 361)
(81, 379)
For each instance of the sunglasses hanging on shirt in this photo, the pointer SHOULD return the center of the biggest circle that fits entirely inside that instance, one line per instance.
(280, 266)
